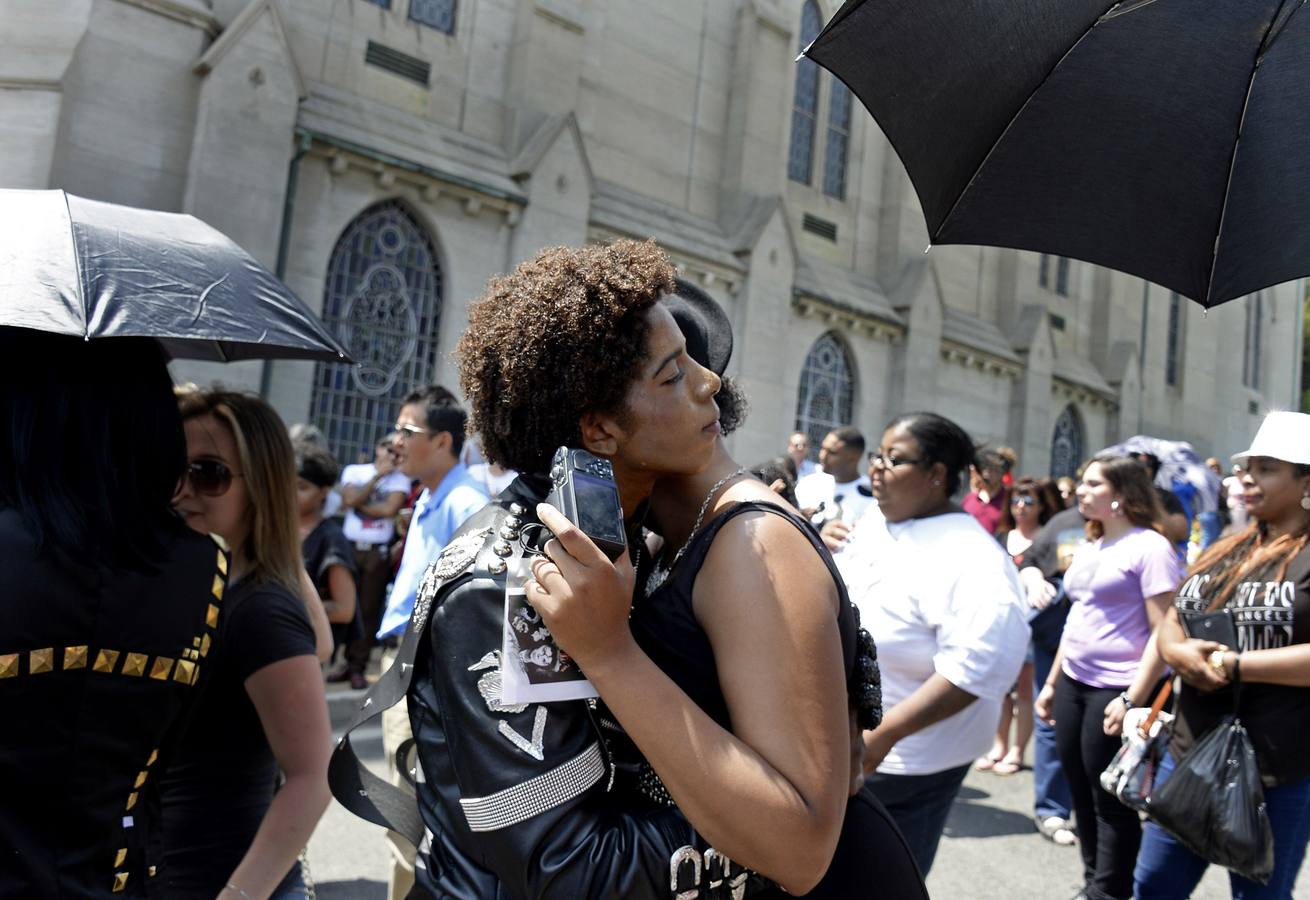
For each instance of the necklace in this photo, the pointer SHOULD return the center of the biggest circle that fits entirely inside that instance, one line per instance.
(660, 573)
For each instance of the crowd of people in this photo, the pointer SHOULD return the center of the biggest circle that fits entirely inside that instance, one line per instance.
(827, 641)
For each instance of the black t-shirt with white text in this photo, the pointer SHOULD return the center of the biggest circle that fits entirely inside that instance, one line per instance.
(1268, 614)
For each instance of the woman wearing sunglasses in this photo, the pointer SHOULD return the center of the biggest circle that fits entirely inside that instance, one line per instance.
(231, 832)
(101, 587)
(1028, 509)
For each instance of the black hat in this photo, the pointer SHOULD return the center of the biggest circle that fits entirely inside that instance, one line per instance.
(704, 324)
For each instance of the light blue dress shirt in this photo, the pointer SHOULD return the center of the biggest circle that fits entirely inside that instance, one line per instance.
(437, 516)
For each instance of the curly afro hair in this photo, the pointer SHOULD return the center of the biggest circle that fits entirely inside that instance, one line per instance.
(560, 336)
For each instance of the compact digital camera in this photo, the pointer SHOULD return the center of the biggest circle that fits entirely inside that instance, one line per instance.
(583, 489)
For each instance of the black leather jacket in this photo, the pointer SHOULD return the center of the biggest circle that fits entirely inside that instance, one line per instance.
(521, 802)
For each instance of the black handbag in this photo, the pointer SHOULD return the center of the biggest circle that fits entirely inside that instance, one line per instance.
(1214, 804)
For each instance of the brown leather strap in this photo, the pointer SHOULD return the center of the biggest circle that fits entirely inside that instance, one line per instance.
(1156, 705)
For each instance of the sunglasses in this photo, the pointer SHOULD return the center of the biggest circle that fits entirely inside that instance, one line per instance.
(408, 431)
(210, 477)
(1023, 501)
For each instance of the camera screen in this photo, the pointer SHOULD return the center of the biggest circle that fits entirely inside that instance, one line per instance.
(599, 513)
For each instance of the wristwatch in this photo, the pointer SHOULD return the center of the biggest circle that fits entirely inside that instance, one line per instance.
(1128, 701)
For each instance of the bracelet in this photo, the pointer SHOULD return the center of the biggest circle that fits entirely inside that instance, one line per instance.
(1128, 701)
(232, 887)
(1237, 664)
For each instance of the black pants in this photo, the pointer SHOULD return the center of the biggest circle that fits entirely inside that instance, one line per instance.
(1109, 833)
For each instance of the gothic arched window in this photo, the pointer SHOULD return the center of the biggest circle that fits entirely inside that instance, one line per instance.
(805, 102)
(838, 141)
(827, 392)
(383, 302)
(1067, 444)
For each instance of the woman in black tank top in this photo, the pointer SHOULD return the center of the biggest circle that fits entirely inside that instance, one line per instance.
(747, 618)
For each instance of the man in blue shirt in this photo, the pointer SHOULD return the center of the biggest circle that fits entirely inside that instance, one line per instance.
(429, 437)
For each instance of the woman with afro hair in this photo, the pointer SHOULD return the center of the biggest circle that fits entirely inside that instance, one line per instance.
(578, 348)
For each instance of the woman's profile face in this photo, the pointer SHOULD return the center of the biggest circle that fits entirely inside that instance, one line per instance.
(1096, 495)
(1271, 488)
(209, 440)
(671, 421)
(902, 478)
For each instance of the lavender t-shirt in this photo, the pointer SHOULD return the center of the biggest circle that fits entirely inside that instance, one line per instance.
(1108, 582)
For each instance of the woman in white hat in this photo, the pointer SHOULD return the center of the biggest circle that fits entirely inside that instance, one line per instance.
(1261, 575)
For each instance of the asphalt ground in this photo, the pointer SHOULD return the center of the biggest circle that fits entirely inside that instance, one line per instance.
(991, 849)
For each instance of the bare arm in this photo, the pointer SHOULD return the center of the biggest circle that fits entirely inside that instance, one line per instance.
(385, 508)
(318, 619)
(288, 696)
(1190, 657)
(773, 627)
(934, 700)
(340, 605)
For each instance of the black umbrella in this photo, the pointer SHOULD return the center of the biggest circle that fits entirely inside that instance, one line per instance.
(82, 267)
(1168, 139)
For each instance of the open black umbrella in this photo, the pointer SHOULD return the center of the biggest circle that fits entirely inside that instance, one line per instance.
(74, 266)
(1165, 138)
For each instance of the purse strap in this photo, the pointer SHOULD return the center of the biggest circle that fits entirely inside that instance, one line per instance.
(1161, 698)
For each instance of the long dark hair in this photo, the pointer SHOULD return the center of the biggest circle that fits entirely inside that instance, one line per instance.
(1035, 491)
(1138, 501)
(94, 448)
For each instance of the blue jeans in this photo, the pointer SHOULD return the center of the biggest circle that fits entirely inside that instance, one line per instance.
(1210, 528)
(1050, 788)
(292, 886)
(919, 804)
(1167, 870)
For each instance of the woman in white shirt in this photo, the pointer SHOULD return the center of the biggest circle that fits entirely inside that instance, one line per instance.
(943, 602)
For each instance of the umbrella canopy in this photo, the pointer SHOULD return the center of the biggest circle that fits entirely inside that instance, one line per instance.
(82, 267)
(1179, 464)
(1163, 138)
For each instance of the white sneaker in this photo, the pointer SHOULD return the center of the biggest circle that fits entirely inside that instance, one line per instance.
(1057, 831)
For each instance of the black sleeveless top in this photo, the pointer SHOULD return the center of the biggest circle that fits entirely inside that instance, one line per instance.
(664, 625)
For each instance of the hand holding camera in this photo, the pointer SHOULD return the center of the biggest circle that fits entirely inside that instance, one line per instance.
(582, 596)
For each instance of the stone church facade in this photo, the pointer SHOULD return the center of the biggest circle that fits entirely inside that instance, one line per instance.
(387, 157)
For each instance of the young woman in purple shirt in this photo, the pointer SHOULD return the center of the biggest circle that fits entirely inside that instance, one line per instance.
(1120, 583)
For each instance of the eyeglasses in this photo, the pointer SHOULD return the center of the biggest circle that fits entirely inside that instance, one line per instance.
(210, 477)
(887, 461)
(1023, 501)
(406, 431)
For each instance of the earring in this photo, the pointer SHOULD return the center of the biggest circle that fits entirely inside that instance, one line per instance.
(938, 483)
(1114, 505)
(1305, 502)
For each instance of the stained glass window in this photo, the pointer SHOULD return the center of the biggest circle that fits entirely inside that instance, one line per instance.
(383, 302)
(827, 392)
(805, 103)
(839, 138)
(1067, 444)
(438, 14)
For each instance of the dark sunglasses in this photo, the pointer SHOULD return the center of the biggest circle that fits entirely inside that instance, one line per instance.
(210, 477)
(1023, 501)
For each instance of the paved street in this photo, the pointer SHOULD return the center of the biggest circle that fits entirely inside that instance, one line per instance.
(991, 850)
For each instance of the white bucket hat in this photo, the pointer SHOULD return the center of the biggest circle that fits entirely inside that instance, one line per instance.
(1282, 435)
